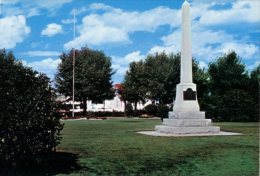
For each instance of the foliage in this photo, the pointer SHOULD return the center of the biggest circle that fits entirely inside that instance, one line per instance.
(162, 111)
(92, 76)
(151, 109)
(254, 91)
(156, 78)
(128, 109)
(161, 74)
(158, 110)
(229, 99)
(133, 84)
(29, 122)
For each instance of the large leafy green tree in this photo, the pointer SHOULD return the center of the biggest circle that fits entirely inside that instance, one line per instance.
(29, 122)
(229, 83)
(162, 73)
(133, 85)
(156, 78)
(92, 76)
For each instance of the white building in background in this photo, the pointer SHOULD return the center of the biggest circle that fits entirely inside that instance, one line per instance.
(116, 104)
(109, 105)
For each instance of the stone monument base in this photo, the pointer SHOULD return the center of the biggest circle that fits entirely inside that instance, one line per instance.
(186, 123)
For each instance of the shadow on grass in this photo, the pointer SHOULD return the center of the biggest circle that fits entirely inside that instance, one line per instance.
(51, 164)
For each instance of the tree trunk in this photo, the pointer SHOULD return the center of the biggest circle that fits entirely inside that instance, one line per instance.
(125, 106)
(84, 106)
(135, 105)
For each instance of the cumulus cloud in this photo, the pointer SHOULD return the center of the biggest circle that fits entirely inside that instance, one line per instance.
(116, 25)
(241, 11)
(168, 49)
(13, 30)
(31, 8)
(52, 29)
(253, 66)
(68, 21)
(41, 53)
(121, 64)
(207, 44)
(246, 51)
(97, 34)
(50, 4)
(47, 66)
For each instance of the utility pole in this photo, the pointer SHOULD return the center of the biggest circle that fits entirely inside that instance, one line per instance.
(73, 71)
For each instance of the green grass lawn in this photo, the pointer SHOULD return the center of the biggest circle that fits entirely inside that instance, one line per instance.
(111, 147)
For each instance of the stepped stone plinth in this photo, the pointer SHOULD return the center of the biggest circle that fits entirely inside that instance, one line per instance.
(186, 123)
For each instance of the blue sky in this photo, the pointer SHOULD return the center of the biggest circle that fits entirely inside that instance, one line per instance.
(39, 31)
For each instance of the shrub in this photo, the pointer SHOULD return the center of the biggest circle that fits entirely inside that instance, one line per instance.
(128, 109)
(151, 109)
(29, 121)
(162, 111)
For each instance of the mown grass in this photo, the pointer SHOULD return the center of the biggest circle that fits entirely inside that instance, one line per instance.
(111, 147)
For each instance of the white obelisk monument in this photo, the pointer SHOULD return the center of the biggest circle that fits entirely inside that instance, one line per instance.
(186, 117)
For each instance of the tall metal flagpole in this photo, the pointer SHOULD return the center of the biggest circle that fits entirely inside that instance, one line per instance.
(73, 70)
(1, 26)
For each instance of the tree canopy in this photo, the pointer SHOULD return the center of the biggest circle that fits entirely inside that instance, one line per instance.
(230, 98)
(155, 78)
(92, 76)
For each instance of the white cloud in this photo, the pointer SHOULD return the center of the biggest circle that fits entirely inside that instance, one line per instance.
(207, 44)
(246, 51)
(50, 4)
(253, 66)
(120, 70)
(9, 1)
(68, 21)
(31, 8)
(13, 30)
(241, 11)
(97, 34)
(52, 29)
(41, 53)
(167, 49)
(100, 6)
(203, 65)
(134, 56)
(47, 66)
(116, 25)
(121, 64)
(33, 12)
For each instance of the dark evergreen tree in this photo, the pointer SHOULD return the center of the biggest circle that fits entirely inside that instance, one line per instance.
(229, 83)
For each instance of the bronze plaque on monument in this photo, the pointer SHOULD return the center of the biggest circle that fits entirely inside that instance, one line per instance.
(189, 94)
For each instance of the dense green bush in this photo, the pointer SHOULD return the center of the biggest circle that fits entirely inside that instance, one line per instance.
(151, 109)
(162, 111)
(29, 122)
(129, 109)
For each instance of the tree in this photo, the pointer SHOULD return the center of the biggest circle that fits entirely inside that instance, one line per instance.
(229, 99)
(254, 90)
(156, 78)
(92, 76)
(133, 84)
(29, 122)
(201, 79)
(161, 74)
